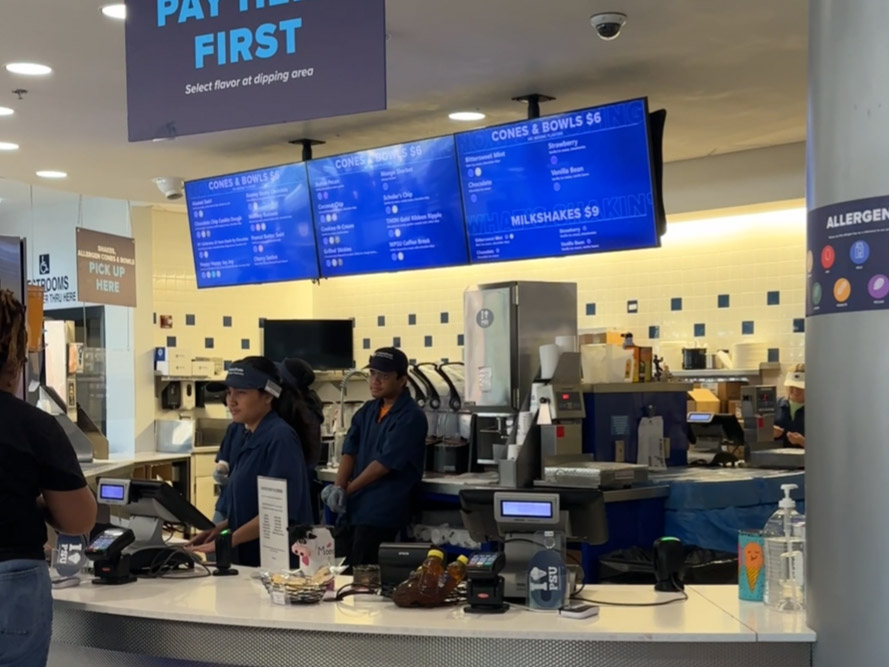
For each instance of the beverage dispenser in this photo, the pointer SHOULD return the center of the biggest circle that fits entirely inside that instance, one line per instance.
(505, 325)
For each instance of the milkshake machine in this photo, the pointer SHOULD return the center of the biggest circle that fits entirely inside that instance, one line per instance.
(505, 326)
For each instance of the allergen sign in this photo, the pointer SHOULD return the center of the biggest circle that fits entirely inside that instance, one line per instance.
(847, 263)
(106, 268)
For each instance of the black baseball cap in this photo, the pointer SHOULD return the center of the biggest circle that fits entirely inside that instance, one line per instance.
(247, 376)
(389, 360)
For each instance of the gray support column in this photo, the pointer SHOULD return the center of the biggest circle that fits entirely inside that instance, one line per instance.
(847, 355)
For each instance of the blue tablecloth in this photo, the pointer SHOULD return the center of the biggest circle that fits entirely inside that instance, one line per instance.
(708, 506)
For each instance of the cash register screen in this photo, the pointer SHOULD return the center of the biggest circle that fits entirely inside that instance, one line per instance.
(111, 492)
(522, 509)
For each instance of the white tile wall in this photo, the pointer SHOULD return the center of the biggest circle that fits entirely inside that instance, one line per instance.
(744, 256)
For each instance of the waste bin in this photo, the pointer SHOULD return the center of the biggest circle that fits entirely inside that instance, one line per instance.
(636, 566)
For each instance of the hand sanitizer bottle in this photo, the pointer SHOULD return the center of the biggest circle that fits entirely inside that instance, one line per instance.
(785, 556)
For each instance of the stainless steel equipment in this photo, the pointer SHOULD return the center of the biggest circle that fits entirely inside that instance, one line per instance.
(505, 324)
(758, 417)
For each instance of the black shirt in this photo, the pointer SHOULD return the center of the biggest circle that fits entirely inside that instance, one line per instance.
(35, 455)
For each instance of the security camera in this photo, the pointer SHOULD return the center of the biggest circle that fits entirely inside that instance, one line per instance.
(171, 187)
(608, 25)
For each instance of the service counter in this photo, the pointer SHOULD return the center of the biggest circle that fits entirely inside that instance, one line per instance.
(232, 621)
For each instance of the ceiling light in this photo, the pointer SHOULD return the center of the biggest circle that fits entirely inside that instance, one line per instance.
(28, 69)
(116, 11)
(52, 174)
(6, 146)
(467, 116)
(6, 111)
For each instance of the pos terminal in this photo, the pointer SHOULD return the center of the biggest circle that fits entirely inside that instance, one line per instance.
(151, 504)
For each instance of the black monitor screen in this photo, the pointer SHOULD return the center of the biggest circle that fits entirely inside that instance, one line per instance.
(326, 345)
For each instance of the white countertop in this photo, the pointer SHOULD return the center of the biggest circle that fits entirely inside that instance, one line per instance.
(103, 467)
(769, 625)
(242, 601)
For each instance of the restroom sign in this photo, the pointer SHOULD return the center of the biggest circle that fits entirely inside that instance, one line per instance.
(106, 268)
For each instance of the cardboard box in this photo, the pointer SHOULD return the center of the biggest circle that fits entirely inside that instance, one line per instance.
(601, 338)
(644, 357)
(704, 400)
(203, 368)
(729, 391)
(172, 361)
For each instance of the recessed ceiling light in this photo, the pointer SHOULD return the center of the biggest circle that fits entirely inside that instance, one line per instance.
(52, 174)
(116, 11)
(7, 146)
(6, 111)
(28, 69)
(467, 116)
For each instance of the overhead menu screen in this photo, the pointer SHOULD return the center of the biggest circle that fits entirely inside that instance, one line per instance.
(252, 227)
(575, 183)
(389, 209)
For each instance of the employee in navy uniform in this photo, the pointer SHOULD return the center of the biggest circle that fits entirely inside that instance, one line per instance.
(270, 448)
(300, 407)
(40, 482)
(790, 415)
(382, 463)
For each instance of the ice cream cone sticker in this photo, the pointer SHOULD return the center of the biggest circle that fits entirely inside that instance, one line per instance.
(753, 561)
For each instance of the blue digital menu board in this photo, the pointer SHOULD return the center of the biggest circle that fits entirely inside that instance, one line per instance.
(389, 209)
(252, 227)
(562, 185)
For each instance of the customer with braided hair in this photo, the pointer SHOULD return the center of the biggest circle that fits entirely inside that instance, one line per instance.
(40, 482)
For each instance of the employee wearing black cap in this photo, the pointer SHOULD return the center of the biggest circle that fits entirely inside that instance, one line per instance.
(382, 463)
(270, 448)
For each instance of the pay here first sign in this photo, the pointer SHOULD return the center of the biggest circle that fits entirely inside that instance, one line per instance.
(197, 66)
(106, 268)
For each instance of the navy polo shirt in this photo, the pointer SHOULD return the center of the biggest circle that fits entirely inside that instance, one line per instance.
(399, 443)
(273, 450)
(783, 419)
(229, 451)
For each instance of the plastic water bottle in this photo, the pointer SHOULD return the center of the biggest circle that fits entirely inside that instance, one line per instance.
(785, 556)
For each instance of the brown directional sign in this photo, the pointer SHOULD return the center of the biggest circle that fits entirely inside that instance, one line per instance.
(106, 268)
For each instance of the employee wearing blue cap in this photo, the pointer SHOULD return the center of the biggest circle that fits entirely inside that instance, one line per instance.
(270, 448)
(382, 464)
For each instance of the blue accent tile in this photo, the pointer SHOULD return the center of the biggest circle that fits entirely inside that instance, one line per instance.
(209, 343)
(591, 309)
(700, 330)
(381, 320)
(723, 301)
(189, 320)
(445, 318)
(171, 341)
(411, 320)
(676, 303)
(226, 320)
(427, 341)
(396, 342)
(747, 328)
(460, 340)
(445, 360)
(262, 323)
(799, 325)
(245, 343)
(366, 344)
(633, 306)
(654, 332)
(227, 364)
(773, 298)
(155, 317)
(412, 362)
(774, 355)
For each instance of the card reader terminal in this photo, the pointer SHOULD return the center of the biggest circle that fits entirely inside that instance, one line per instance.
(112, 566)
(485, 583)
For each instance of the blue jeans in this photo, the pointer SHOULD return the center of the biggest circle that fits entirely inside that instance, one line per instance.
(25, 613)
